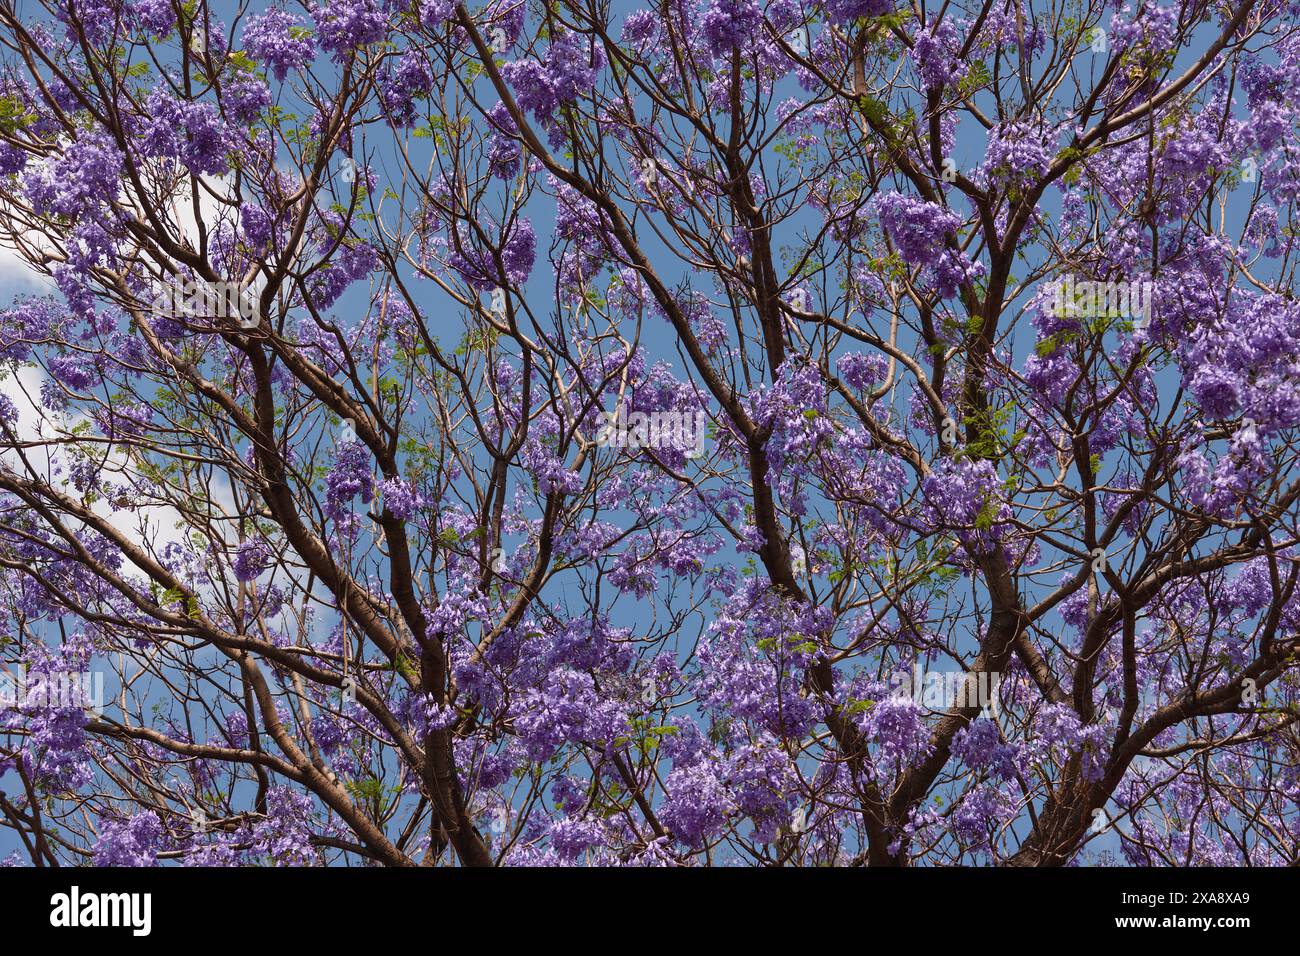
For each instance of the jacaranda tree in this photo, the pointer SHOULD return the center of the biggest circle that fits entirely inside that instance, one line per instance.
(804, 432)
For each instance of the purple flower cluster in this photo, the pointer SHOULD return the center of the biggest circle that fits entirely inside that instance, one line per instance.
(244, 98)
(842, 11)
(918, 228)
(504, 153)
(730, 25)
(156, 16)
(752, 665)
(351, 263)
(251, 559)
(1218, 390)
(518, 253)
(935, 54)
(796, 410)
(533, 89)
(1059, 728)
(284, 834)
(896, 723)
(979, 745)
(434, 13)
(131, 842)
(567, 709)
(921, 230)
(350, 475)
(1016, 150)
(189, 131)
(345, 25)
(85, 174)
(400, 88)
(697, 805)
(862, 371)
(981, 813)
(75, 371)
(401, 497)
(572, 63)
(256, 225)
(279, 40)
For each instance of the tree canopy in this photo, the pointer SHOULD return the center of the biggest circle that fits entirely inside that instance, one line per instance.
(703, 432)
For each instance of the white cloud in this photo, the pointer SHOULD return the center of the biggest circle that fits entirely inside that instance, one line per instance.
(19, 278)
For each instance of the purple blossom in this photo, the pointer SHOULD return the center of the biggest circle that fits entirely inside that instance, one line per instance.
(935, 54)
(842, 11)
(860, 371)
(279, 40)
(256, 225)
(730, 25)
(566, 709)
(401, 498)
(572, 837)
(345, 25)
(980, 814)
(534, 89)
(979, 746)
(189, 131)
(75, 371)
(85, 173)
(131, 842)
(518, 253)
(156, 16)
(697, 805)
(504, 153)
(251, 559)
(350, 476)
(1016, 150)
(897, 724)
(917, 227)
(572, 63)
(640, 30)
(400, 88)
(1217, 390)
(434, 13)
(245, 98)
(351, 263)
(959, 492)
(284, 834)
